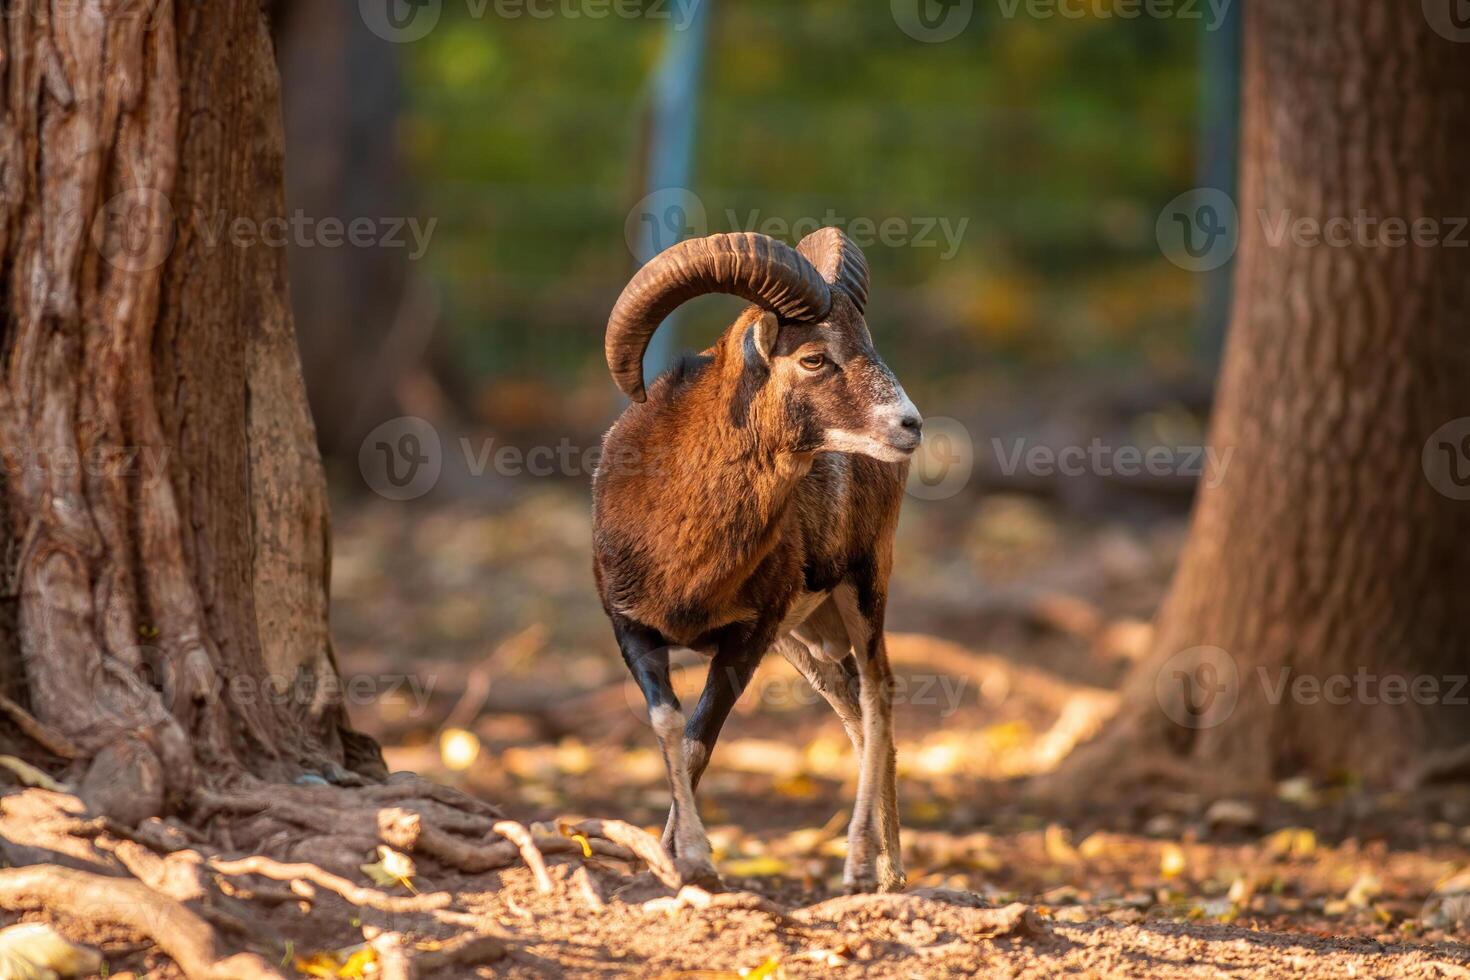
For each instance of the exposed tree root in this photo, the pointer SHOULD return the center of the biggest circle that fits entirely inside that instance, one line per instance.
(522, 839)
(42, 734)
(198, 894)
(637, 840)
(184, 936)
(352, 894)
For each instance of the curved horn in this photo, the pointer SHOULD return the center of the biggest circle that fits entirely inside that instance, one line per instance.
(839, 261)
(745, 264)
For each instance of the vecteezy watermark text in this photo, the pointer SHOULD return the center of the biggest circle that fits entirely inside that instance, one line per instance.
(666, 217)
(1098, 458)
(403, 21)
(1200, 687)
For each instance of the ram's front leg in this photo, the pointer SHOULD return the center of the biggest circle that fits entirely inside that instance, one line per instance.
(874, 860)
(647, 656)
(729, 674)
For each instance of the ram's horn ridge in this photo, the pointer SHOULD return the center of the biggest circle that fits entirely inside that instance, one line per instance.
(750, 265)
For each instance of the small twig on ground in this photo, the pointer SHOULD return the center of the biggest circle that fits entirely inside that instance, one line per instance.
(393, 962)
(353, 894)
(584, 885)
(521, 837)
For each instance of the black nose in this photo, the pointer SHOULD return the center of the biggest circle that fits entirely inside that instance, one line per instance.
(913, 423)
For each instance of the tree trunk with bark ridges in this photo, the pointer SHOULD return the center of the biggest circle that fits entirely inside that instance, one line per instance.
(164, 540)
(1327, 551)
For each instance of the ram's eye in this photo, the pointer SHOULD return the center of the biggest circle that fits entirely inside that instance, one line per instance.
(814, 362)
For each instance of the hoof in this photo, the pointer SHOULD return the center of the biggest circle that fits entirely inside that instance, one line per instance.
(864, 884)
(699, 873)
(893, 883)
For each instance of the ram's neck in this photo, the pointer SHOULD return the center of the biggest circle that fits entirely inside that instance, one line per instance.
(734, 480)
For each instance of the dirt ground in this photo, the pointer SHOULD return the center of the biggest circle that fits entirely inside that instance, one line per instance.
(474, 649)
(1010, 636)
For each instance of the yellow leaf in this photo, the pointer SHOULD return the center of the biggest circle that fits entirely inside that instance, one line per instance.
(1364, 890)
(348, 963)
(798, 787)
(1297, 842)
(356, 965)
(757, 867)
(1058, 847)
(318, 965)
(1172, 862)
(766, 969)
(392, 868)
(30, 775)
(458, 748)
(33, 950)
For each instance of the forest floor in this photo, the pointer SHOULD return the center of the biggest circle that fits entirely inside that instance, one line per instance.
(1011, 628)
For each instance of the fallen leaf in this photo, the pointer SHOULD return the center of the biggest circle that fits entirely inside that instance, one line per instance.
(1172, 862)
(35, 951)
(764, 866)
(1291, 842)
(30, 775)
(1364, 890)
(766, 969)
(1059, 845)
(391, 868)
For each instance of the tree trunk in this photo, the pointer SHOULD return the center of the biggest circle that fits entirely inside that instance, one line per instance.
(164, 539)
(363, 318)
(1316, 623)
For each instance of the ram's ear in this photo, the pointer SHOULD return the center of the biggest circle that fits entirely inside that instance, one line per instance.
(763, 333)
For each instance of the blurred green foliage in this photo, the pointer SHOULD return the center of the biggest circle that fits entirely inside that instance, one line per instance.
(1058, 140)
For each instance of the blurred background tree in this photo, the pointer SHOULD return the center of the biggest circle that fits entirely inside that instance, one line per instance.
(1048, 144)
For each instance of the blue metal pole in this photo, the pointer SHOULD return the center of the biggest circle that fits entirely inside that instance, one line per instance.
(674, 106)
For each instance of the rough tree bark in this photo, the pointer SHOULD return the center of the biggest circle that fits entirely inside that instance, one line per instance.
(1328, 550)
(163, 534)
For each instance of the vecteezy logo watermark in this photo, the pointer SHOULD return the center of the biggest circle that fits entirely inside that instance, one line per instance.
(891, 232)
(1100, 459)
(943, 693)
(146, 464)
(944, 461)
(669, 216)
(402, 458)
(1446, 459)
(136, 230)
(1362, 230)
(664, 218)
(1199, 230)
(401, 21)
(932, 21)
(1449, 18)
(1198, 687)
(1213, 12)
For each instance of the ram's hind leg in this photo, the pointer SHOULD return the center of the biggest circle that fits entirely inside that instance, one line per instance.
(837, 683)
(647, 656)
